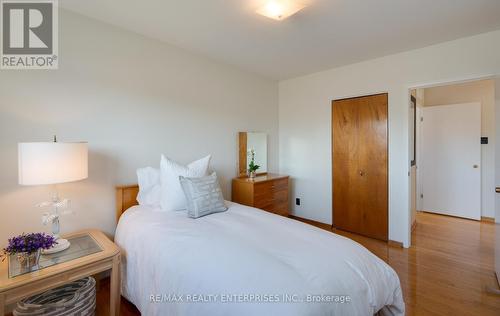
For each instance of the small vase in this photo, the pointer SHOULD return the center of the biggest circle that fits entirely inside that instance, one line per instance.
(252, 175)
(29, 261)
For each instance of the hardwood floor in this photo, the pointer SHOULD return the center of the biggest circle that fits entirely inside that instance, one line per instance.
(448, 268)
(102, 302)
(445, 272)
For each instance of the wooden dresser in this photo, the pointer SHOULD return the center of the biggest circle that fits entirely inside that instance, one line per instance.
(268, 192)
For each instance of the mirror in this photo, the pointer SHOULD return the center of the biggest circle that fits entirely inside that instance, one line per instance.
(252, 143)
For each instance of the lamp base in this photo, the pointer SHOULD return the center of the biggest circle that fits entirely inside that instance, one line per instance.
(62, 244)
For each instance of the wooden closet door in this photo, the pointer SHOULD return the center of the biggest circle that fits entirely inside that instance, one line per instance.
(360, 183)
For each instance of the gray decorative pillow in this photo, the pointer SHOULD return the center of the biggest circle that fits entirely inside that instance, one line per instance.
(203, 195)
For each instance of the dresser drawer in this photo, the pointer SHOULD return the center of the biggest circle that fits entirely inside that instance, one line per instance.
(268, 192)
(271, 187)
(271, 198)
(281, 209)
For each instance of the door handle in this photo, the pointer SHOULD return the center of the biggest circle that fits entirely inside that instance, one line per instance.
(497, 189)
(361, 173)
(475, 166)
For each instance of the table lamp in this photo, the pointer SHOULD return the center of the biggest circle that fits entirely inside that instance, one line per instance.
(53, 163)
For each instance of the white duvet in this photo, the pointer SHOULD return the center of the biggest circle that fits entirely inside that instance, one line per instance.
(248, 262)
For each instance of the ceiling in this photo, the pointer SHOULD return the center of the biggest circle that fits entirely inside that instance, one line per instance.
(326, 34)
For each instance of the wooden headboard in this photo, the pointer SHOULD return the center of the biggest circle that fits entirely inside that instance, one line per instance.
(126, 197)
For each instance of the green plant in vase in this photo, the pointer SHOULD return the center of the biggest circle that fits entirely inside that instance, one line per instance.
(252, 166)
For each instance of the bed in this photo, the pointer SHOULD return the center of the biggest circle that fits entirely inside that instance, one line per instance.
(246, 262)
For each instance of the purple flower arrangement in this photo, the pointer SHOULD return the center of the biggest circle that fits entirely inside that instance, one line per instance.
(29, 243)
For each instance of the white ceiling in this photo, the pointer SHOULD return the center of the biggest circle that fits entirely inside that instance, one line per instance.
(326, 34)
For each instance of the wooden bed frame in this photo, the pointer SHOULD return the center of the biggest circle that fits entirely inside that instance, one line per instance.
(126, 197)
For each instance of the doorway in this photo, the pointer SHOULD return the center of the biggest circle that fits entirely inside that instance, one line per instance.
(454, 150)
(451, 150)
(360, 165)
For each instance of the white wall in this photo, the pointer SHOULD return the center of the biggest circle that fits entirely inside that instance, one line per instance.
(131, 98)
(305, 118)
(477, 91)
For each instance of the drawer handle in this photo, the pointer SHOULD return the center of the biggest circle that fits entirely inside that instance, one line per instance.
(497, 189)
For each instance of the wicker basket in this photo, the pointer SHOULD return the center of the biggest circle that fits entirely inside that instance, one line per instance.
(76, 299)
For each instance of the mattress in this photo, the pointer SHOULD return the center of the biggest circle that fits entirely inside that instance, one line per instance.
(248, 262)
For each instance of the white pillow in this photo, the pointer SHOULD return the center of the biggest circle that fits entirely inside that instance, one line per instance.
(172, 196)
(149, 186)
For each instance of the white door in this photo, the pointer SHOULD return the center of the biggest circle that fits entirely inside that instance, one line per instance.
(419, 155)
(451, 171)
(497, 176)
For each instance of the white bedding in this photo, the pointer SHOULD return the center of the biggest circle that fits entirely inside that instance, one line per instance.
(248, 262)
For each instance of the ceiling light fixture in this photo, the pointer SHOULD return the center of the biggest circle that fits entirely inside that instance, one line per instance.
(280, 9)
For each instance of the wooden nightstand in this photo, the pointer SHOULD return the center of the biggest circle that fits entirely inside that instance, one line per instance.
(91, 252)
(268, 192)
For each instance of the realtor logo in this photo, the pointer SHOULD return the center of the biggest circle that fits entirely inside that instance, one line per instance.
(29, 34)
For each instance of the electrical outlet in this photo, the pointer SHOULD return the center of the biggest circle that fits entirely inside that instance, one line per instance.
(297, 201)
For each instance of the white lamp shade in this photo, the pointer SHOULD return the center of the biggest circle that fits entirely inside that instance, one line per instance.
(52, 163)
